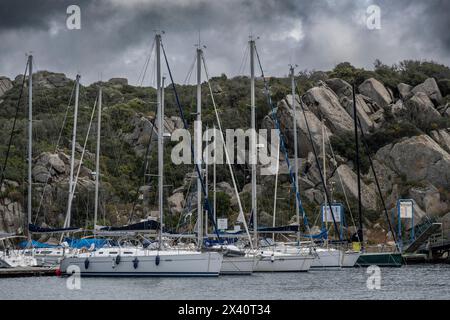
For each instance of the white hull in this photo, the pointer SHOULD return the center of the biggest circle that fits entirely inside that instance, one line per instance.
(143, 263)
(13, 260)
(282, 262)
(350, 258)
(327, 259)
(237, 265)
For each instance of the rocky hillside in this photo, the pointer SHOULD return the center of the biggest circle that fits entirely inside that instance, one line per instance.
(404, 111)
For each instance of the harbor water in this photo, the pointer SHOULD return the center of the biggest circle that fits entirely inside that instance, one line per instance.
(409, 282)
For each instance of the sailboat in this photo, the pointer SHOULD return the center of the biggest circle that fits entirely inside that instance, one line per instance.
(235, 261)
(137, 261)
(268, 259)
(50, 255)
(381, 259)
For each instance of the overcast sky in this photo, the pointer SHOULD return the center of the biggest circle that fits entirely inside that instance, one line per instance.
(116, 35)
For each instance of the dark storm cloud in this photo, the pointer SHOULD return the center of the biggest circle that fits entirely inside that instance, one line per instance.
(116, 35)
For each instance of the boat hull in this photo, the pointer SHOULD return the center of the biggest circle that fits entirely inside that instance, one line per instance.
(380, 259)
(327, 259)
(283, 263)
(169, 265)
(237, 265)
(350, 258)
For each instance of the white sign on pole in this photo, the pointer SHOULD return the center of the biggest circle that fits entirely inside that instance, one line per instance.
(326, 213)
(406, 209)
(222, 224)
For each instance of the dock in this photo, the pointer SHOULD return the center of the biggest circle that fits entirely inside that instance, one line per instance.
(27, 272)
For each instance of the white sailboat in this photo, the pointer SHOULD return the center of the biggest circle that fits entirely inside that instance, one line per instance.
(326, 257)
(268, 260)
(235, 261)
(136, 261)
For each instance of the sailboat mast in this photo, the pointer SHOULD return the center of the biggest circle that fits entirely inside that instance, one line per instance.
(214, 179)
(294, 108)
(325, 174)
(206, 187)
(198, 152)
(355, 118)
(97, 159)
(72, 159)
(253, 150)
(160, 118)
(30, 138)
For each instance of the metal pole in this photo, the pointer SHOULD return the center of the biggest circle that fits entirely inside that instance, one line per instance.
(355, 118)
(198, 151)
(72, 159)
(206, 187)
(294, 108)
(30, 139)
(325, 175)
(97, 160)
(160, 118)
(214, 178)
(253, 151)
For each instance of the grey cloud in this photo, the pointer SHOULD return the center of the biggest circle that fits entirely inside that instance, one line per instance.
(116, 35)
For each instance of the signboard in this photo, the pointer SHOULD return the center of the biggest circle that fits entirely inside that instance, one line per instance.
(406, 209)
(222, 224)
(326, 213)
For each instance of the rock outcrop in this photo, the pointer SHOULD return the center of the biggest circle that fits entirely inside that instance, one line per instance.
(285, 115)
(417, 159)
(349, 182)
(375, 90)
(431, 89)
(421, 109)
(5, 85)
(442, 137)
(404, 90)
(324, 103)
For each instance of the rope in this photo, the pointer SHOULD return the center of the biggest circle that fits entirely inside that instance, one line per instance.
(144, 68)
(241, 217)
(13, 127)
(340, 180)
(377, 183)
(197, 167)
(318, 167)
(56, 150)
(282, 143)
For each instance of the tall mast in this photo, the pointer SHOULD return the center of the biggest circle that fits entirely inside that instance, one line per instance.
(72, 159)
(198, 151)
(324, 173)
(355, 118)
(294, 108)
(97, 159)
(253, 150)
(206, 187)
(30, 138)
(214, 179)
(160, 118)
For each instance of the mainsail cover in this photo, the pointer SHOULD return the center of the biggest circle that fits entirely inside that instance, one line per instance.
(142, 226)
(35, 229)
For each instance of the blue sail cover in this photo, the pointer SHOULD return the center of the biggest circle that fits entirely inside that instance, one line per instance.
(322, 235)
(86, 243)
(35, 244)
